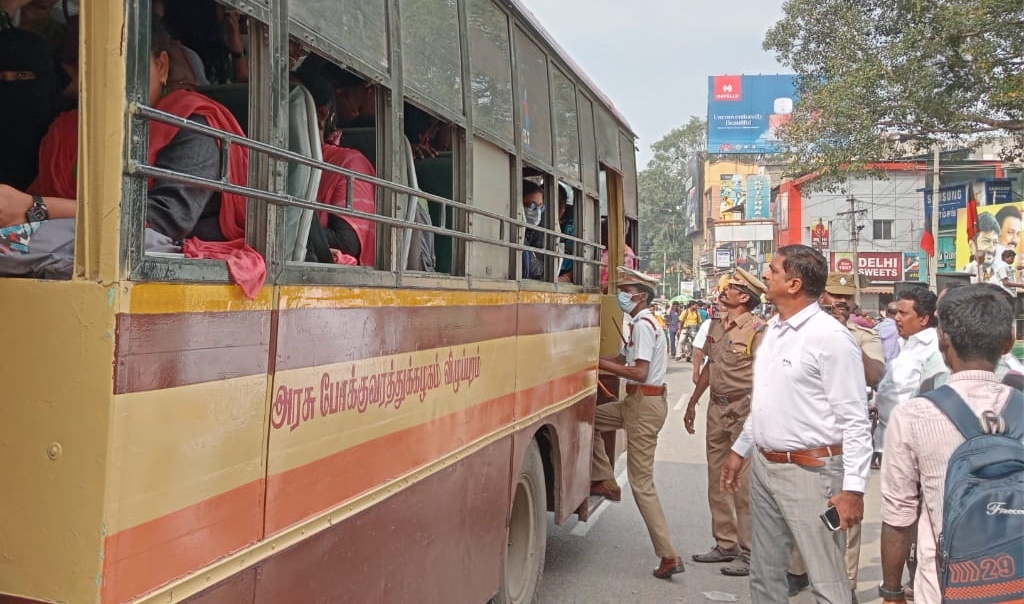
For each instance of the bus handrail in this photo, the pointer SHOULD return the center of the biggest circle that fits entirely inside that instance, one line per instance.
(135, 168)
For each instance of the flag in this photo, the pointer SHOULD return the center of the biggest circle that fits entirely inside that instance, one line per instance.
(928, 242)
(972, 214)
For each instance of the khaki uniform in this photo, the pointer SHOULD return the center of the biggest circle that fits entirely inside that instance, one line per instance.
(871, 345)
(642, 416)
(730, 352)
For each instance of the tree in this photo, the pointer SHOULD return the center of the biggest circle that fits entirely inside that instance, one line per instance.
(661, 185)
(880, 79)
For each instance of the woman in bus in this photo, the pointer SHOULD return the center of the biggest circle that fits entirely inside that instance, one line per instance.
(174, 210)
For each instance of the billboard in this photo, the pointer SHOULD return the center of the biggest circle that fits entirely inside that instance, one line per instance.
(744, 112)
(951, 199)
(879, 267)
(731, 197)
(693, 186)
(759, 191)
(819, 232)
(1006, 217)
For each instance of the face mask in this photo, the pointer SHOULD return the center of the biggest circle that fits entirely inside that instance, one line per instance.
(533, 214)
(626, 302)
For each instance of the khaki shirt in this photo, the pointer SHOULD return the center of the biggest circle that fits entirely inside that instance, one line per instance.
(869, 341)
(730, 350)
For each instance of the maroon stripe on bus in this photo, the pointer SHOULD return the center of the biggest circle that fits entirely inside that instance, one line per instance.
(8, 599)
(319, 336)
(157, 351)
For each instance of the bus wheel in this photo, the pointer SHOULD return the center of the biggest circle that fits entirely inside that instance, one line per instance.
(527, 534)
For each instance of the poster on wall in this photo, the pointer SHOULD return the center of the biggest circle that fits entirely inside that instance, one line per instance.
(759, 189)
(999, 228)
(819, 233)
(911, 266)
(879, 267)
(731, 197)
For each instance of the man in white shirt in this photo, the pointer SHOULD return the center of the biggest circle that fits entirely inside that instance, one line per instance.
(642, 363)
(918, 367)
(808, 434)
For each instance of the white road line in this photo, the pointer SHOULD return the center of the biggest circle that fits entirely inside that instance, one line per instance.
(679, 404)
(582, 528)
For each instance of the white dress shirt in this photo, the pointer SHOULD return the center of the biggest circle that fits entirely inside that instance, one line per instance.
(647, 343)
(809, 393)
(918, 360)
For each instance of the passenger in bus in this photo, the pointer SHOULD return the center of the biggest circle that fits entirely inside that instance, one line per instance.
(174, 211)
(353, 237)
(36, 17)
(533, 212)
(429, 136)
(630, 259)
(214, 34)
(355, 99)
(30, 100)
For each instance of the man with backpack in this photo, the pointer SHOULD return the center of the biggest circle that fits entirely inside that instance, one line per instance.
(957, 450)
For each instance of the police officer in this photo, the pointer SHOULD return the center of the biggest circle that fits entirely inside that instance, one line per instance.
(730, 347)
(642, 363)
(840, 290)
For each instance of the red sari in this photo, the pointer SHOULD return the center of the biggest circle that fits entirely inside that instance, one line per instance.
(334, 186)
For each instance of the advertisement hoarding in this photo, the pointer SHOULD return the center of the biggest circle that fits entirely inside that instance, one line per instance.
(693, 186)
(951, 199)
(759, 191)
(911, 266)
(745, 112)
(731, 197)
(879, 267)
(819, 232)
(947, 253)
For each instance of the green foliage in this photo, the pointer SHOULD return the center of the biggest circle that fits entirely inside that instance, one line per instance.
(883, 79)
(662, 195)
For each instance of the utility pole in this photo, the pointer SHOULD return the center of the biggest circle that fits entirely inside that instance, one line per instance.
(933, 263)
(853, 213)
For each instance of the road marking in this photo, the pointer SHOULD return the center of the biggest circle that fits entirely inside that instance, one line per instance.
(679, 404)
(582, 528)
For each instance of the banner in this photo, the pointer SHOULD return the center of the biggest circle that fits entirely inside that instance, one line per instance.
(999, 228)
(731, 197)
(744, 112)
(759, 190)
(693, 186)
(819, 233)
(879, 267)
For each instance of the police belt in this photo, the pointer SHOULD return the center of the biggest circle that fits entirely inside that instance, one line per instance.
(808, 458)
(725, 399)
(646, 389)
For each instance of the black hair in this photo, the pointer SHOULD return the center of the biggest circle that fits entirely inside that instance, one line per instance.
(924, 302)
(978, 320)
(1007, 211)
(195, 24)
(159, 38)
(753, 301)
(987, 224)
(807, 264)
(648, 291)
(530, 187)
(317, 85)
(1008, 253)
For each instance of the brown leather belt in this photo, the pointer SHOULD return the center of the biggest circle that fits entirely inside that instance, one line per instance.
(808, 458)
(646, 389)
(724, 399)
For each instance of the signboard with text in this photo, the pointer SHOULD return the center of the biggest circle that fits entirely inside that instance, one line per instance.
(744, 112)
(759, 190)
(951, 199)
(879, 267)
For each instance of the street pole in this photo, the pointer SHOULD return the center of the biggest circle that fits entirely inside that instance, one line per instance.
(855, 242)
(933, 263)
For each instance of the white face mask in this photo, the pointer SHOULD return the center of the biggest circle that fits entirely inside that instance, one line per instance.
(533, 214)
(626, 302)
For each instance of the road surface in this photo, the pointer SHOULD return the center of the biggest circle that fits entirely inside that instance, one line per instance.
(609, 559)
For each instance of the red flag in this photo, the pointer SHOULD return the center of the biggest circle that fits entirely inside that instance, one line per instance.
(928, 243)
(972, 214)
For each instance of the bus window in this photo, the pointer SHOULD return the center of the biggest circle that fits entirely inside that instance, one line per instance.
(434, 143)
(493, 190)
(540, 207)
(490, 61)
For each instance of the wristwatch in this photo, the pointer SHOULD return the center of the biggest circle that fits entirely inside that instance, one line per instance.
(38, 212)
(893, 595)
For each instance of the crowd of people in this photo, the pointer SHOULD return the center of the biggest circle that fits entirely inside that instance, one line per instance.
(791, 437)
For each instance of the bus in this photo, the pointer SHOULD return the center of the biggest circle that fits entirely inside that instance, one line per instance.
(393, 431)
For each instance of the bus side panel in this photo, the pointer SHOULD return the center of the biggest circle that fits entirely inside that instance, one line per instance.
(439, 540)
(53, 440)
(187, 434)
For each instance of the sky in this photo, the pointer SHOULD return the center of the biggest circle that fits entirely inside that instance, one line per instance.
(653, 57)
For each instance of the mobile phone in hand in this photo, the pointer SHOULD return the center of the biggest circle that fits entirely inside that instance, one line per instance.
(831, 518)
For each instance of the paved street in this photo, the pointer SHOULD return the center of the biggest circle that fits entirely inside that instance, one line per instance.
(609, 559)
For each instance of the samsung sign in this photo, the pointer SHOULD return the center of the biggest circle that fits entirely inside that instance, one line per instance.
(951, 199)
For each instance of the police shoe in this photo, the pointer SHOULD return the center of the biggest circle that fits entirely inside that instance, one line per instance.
(669, 567)
(797, 583)
(608, 489)
(718, 554)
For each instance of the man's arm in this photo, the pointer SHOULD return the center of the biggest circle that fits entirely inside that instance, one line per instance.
(703, 380)
(636, 373)
(900, 499)
(896, 541)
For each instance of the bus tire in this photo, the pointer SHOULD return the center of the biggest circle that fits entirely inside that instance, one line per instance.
(527, 534)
